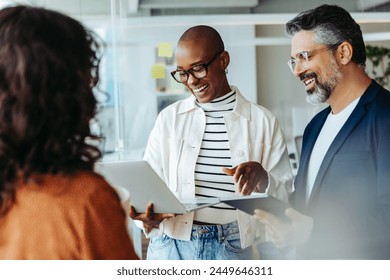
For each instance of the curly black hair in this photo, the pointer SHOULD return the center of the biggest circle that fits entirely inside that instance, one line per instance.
(49, 66)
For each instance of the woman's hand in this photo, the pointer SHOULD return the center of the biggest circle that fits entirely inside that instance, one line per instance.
(248, 175)
(149, 218)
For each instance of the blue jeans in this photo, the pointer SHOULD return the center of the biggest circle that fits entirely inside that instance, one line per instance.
(208, 242)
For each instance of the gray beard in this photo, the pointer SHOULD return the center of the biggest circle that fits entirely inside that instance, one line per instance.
(319, 96)
(323, 91)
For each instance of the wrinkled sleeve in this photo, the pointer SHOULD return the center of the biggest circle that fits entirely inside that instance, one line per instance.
(276, 162)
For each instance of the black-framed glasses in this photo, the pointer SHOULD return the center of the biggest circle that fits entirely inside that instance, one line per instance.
(198, 71)
(303, 58)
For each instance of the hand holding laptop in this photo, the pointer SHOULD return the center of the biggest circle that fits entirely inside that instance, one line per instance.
(149, 218)
(146, 186)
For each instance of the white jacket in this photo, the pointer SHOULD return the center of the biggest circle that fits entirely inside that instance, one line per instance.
(254, 135)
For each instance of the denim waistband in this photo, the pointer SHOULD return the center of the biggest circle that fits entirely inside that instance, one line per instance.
(214, 231)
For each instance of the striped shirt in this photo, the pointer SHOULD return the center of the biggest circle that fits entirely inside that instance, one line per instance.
(214, 154)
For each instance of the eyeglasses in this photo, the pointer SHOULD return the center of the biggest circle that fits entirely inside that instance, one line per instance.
(198, 71)
(303, 58)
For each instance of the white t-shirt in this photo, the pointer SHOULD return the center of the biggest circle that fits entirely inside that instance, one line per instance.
(328, 133)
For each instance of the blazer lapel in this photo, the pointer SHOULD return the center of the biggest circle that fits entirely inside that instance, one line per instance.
(307, 147)
(340, 138)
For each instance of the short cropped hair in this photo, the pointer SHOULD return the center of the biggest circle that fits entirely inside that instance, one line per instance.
(198, 32)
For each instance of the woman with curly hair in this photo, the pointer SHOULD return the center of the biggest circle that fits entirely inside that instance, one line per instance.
(52, 204)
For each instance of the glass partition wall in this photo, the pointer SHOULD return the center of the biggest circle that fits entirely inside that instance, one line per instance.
(135, 71)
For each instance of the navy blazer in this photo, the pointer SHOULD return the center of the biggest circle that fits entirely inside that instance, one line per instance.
(350, 200)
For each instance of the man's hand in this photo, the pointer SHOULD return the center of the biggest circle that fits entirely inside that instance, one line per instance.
(248, 175)
(285, 234)
(149, 218)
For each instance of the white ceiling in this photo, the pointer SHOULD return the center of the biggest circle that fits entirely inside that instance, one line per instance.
(195, 7)
(177, 4)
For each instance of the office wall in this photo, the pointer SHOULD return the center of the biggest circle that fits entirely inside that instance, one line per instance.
(277, 88)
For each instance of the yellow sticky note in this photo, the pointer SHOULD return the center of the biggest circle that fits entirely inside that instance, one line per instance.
(165, 50)
(158, 71)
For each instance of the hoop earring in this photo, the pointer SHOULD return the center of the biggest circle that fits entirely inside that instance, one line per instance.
(226, 71)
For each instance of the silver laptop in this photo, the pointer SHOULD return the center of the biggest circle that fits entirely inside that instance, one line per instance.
(146, 186)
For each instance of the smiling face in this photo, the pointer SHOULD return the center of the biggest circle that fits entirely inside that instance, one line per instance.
(321, 73)
(191, 53)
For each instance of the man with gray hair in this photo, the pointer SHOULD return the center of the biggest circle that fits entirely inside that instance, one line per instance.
(342, 189)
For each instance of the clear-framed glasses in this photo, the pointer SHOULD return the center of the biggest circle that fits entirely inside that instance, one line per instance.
(303, 58)
(198, 71)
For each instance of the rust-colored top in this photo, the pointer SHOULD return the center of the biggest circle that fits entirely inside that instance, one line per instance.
(65, 217)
